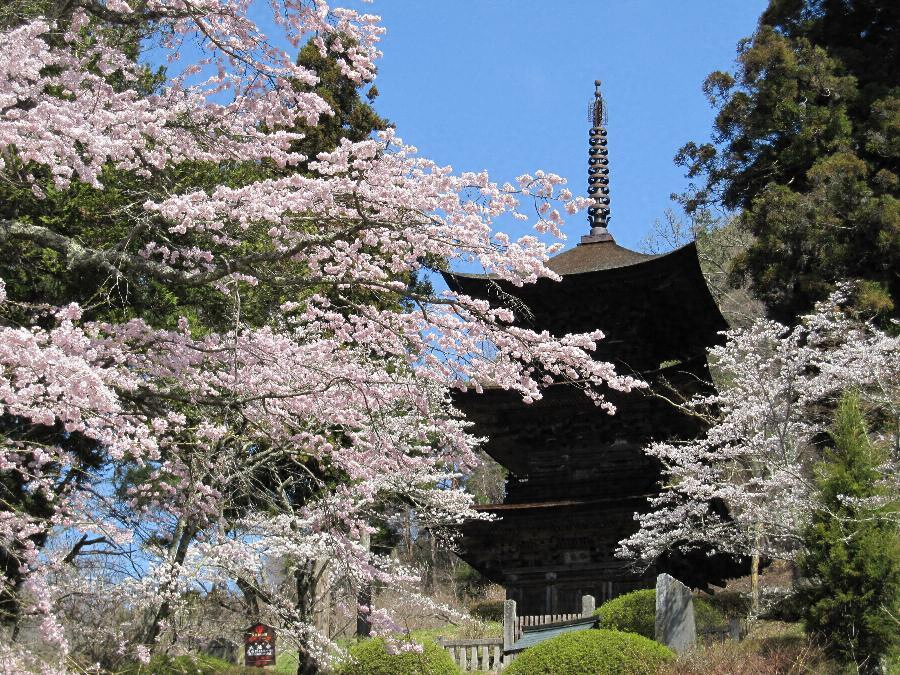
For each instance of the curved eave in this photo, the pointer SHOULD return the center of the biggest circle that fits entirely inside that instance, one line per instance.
(586, 260)
(659, 306)
(560, 503)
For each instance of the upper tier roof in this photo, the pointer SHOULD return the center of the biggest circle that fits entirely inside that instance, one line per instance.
(593, 257)
(652, 308)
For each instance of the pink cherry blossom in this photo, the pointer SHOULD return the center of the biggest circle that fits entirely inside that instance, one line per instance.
(778, 388)
(236, 431)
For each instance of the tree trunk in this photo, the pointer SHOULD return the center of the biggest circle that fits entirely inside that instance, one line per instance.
(754, 571)
(251, 599)
(407, 535)
(305, 580)
(322, 596)
(364, 597)
(429, 567)
(180, 544)
(754, 584)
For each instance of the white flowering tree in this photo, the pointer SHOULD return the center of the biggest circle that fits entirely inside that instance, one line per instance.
(777, 388)
(248, 444)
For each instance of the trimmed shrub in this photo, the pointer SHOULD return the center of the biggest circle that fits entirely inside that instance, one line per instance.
(635, 612)
(487, 610)
(370, 657)
(593, 652)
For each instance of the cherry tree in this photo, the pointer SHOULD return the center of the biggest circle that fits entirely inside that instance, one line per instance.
(777, 388)
(254, 442)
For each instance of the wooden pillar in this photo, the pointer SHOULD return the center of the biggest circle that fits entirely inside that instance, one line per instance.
(550, 600)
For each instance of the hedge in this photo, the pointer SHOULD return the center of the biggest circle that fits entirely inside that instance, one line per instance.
(592, 652)
(371, 657)
(487, 610)
(635, 612)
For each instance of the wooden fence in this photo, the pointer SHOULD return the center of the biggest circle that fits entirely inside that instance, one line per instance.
(484, 654)
(493, 654)
(541, 620)
(489, 654)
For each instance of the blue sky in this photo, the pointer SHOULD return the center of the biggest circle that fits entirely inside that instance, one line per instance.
(504, 85)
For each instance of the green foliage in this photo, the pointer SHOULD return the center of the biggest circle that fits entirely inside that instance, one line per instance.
(635, 612)
(853, 549)
(353, 118)
(469, 582)
(592, 652)
(201, 664)
(488, 610)
(807, 144)
(730, 603)
(371, 657)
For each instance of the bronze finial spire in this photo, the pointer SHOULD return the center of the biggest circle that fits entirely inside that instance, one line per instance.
(598, 171)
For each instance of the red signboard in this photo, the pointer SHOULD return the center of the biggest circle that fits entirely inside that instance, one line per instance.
(259, 645)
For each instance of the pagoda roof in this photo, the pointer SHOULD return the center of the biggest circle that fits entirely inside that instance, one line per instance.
(595, 257)
(651, 307)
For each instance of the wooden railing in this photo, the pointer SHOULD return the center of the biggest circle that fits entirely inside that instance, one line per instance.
(490, 654)
(513, 624)
(481, 654)
(493, 654)
(541, 620)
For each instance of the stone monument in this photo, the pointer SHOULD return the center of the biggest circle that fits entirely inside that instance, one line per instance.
(675, 625)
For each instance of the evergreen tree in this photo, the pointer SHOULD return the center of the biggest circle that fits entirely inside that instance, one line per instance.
(806, 143)
(353, 117)
(853, 549)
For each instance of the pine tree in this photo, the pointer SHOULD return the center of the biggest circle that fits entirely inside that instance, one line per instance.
(853, 550)
(806, 144)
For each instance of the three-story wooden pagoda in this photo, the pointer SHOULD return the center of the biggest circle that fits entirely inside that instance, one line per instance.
(576, 475)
